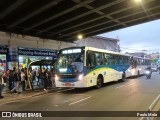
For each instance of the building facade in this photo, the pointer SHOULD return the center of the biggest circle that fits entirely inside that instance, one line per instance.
(20, 57)
(139, 54)
(15, 50)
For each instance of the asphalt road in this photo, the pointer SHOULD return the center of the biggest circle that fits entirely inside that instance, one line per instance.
(135, 94)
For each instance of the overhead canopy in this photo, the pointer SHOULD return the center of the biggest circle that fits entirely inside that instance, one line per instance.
(42, 62)
(64, 19)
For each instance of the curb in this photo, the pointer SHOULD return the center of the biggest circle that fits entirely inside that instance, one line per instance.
(25, 97)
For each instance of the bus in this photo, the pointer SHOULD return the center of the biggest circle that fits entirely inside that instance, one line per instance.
(81, 67)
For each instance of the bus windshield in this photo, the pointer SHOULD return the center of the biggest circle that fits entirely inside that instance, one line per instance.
(70, 63)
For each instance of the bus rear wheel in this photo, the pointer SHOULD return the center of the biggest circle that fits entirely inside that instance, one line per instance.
(123, 77)
(99, 82)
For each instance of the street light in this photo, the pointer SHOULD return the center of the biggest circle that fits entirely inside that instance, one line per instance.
(138, 0)
(80, 36)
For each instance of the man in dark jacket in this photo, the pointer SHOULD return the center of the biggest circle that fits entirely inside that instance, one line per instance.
(45, 79)
(11, 80)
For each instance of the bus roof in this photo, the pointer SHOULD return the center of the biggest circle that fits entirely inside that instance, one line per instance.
(103, 50)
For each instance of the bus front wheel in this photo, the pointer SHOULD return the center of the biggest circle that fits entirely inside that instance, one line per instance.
(99, 82)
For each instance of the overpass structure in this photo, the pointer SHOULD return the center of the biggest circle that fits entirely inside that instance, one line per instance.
(63, 20)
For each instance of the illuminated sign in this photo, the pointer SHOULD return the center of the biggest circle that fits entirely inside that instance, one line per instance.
(63, 69)
(71, 51)
(36, 53)
(3, 50)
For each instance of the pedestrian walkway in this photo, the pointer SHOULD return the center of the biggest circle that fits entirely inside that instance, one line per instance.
(34, 84)
(8, 97)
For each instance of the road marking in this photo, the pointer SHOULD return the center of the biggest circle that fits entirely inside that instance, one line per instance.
(66, 101)
(56, 105)
(24, 98)
(154, 103)
(64, 90)
(79, 100)
(125, 85)
(152, 106)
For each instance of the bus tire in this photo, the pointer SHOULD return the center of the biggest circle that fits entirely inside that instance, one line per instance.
(138, 73)
(123, 77)
(99, 81)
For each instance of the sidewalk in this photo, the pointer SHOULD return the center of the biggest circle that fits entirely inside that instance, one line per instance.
(8, 97)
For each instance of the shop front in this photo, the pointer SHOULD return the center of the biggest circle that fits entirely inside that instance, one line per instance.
(26, 56)
(3, 58)
(12, 58)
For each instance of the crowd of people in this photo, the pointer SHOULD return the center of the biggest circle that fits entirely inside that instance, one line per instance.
(14, 79)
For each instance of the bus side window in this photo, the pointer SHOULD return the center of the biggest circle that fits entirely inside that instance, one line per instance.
(98, 58)
(125, 60)
(91, 60)
(88, 61)
(121, 59)
(118, 59)
(114, 61)
(107, 59)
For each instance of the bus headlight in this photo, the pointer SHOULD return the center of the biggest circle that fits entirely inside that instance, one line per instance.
(147, 72)
(56, 77)
(80, 77)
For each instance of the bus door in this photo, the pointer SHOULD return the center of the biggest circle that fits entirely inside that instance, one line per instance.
(91, 76)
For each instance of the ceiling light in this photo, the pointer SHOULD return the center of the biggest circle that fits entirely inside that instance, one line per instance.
(80, 37)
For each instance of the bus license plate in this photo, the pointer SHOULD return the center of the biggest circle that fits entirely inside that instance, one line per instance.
(67, 84)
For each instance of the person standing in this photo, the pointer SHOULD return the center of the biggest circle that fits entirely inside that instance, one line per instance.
(52, 74)
(1, 85)
(11, 80)
(45, 79)
(26, 78)
(16, 82)
(23, 80)
(38, 76)
(30, 78)
(49, 78)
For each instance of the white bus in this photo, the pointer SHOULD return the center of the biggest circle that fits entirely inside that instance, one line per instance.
(81, 67)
